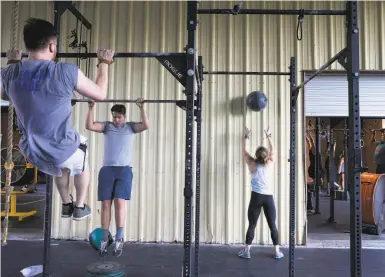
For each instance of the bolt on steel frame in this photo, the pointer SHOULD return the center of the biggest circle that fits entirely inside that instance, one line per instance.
(349, 59)
(193, 74)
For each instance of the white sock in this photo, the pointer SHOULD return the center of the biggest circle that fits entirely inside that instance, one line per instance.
(276, 247)
(247, 248)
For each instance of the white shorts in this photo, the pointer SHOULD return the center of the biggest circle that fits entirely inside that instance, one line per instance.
(76, 164)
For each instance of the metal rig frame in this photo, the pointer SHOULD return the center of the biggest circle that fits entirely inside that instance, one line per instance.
(349, 59)
(184, 68)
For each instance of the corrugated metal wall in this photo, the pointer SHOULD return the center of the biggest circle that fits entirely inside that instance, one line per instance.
(250, 43)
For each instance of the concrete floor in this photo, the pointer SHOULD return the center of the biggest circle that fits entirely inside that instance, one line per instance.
(321, 231)
(69, 259)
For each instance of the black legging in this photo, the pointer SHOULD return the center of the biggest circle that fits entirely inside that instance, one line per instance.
(258, 201)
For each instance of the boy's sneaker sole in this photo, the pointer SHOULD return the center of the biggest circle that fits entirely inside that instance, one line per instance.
(80, 218)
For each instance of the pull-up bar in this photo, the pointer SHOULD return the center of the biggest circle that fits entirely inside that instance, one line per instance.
(116, 55)
(245, 73)
(124, 101)
(277, 12)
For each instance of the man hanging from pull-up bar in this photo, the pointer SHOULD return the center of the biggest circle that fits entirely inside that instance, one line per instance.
(41, 91)
(115, 177)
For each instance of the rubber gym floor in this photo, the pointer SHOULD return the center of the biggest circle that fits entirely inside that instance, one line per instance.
(69, 259)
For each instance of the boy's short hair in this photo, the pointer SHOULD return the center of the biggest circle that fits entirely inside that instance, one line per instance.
(118, 108)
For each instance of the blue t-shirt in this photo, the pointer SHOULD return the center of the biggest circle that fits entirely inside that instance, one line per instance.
(41, 92)
(118, 142)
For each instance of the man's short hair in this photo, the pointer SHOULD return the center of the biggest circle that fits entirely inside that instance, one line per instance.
(37, 34)
(118, 108)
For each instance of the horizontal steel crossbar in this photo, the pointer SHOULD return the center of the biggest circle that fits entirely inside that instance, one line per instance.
(272, 12)
(245, 73)
(116, 55)
(124, 101)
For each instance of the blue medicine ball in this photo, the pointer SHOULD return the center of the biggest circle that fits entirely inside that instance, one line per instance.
(95, 238)
(256, 101)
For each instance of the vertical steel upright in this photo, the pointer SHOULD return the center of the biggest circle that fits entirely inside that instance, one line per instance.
(293, 125)
(49, 179)
(318, 166)
(331, 165)
(198, 165)
(346, 161)
(190, 94)
(354, 154)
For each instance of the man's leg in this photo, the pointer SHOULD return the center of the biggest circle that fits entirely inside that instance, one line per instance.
(62, 184)
(77, 166)
(81, 174)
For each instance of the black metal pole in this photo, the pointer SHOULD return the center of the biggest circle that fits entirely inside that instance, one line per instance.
(354, 176)
(276, 12)
(293, 139)
(346, 190)
(317, 165)
(331, 165)
(47, 226)
(322, 68)
(245, 73)
(116, 55)
(190, 93)
(49, 179)
(198, 166)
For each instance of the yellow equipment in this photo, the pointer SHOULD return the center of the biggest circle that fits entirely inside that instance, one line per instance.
(19, 166)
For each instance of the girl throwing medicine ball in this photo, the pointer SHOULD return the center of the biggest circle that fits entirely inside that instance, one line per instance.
(261, 196)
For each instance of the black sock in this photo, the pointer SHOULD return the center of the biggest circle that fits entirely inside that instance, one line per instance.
(81, 207)
(68, 204)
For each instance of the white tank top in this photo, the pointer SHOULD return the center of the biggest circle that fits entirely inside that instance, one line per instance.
(260, 180)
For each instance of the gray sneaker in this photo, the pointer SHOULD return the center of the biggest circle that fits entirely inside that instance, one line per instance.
(118, 248)
(103, 249)
(81, 213)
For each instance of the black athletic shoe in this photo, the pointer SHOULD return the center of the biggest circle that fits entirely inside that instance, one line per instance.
(67, 209)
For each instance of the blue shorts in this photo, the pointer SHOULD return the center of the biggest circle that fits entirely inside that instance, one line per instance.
(115, 182)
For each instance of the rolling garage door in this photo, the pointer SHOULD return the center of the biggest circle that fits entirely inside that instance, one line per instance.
(327, 96)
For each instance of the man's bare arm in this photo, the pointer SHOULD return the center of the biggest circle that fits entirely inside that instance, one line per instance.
(145, 124)
(14, 55)
(96, 90)
(3, 94)
(91, 124)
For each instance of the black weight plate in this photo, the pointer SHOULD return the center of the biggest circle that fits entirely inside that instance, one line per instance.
(105, 268)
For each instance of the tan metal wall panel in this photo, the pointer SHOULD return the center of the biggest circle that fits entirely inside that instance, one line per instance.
(252, 43)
